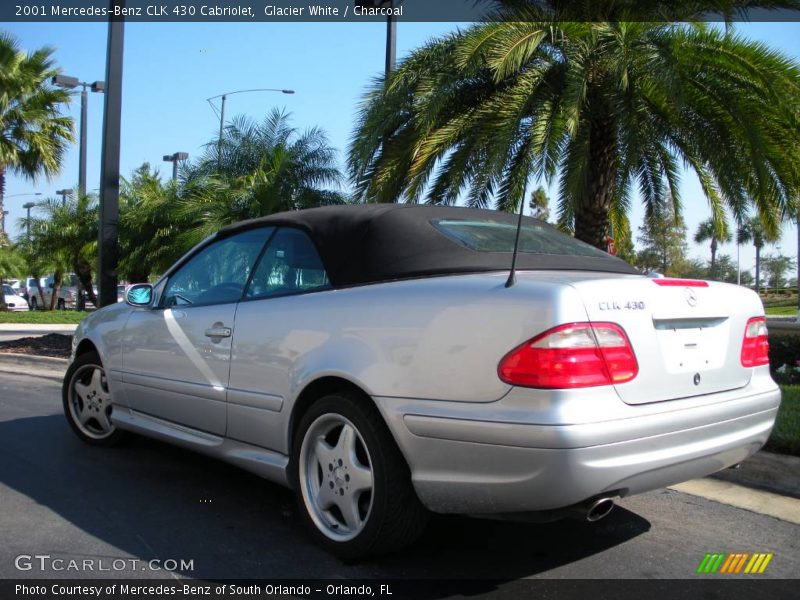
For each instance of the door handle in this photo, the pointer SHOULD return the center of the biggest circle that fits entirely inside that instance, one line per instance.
(218, 332)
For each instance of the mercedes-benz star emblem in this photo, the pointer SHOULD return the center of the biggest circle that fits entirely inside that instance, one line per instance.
(691, 297)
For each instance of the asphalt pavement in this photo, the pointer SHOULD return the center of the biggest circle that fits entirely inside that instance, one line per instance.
(151, 501)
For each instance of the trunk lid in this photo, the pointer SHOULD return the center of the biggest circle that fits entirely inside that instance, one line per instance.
(687, 339)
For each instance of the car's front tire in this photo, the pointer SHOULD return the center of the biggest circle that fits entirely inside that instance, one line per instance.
(352, 483)
(87, 402)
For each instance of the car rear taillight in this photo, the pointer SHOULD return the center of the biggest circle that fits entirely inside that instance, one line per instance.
(755, 344)
(571, 356)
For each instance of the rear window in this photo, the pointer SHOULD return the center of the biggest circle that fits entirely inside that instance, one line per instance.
(488, 235)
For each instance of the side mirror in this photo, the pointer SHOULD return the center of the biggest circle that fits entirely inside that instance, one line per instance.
(139, 294)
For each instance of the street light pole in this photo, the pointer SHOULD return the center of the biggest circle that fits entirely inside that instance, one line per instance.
(391, 42)
(28, 206)
(175, 158)
(391, 29)
(223, 97)
(221, 125)
(109, 172)
(3, 213)
(68, 82)
(82, 151)
(64, 193)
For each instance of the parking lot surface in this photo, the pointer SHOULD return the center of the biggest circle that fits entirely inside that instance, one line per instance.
(147, 501)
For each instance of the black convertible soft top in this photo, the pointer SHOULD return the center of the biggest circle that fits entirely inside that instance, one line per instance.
(369, 243)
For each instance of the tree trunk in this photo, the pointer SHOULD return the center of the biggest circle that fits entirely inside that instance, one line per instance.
(713, 271)
(591, 214)
(41, 293)
(84, 272)
(3, 307)
(758, 269)
(57, 277)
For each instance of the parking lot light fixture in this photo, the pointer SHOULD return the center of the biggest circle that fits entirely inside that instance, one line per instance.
(5, 212)
(24, 194)
(64, 193)
(28, 206)
(65, 81)
(175, 158)
(222, 98)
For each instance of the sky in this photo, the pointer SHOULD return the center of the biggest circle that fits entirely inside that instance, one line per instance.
(170, 70)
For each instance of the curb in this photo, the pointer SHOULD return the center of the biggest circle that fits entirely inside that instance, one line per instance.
(763, 471)
(46, 367)
(766, 471)
(31, 327)
(780, 507)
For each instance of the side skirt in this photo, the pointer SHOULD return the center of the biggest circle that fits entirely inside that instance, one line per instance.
(264, 463)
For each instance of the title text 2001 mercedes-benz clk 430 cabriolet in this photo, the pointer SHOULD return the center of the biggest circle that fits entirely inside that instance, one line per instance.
(374, 359)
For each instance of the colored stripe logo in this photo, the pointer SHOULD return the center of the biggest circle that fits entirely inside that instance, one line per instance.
(734, 563)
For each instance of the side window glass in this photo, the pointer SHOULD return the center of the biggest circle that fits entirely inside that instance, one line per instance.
(218, 273)
(290, 265)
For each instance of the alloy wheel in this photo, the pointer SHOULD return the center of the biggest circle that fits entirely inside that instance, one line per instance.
(336, 477)
(89, 402)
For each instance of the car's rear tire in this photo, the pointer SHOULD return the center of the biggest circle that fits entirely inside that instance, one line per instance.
(353, 485)
(87, 402)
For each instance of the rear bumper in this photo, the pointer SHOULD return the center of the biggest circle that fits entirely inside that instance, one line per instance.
(478, 461)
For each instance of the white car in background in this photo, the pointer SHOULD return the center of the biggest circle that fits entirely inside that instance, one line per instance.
(14, 302)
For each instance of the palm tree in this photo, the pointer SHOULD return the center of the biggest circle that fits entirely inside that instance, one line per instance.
(68, 231)
(149, 225)
(753, 230)
(33, 133)
(264, 168)
(716, 232)
(603, 107)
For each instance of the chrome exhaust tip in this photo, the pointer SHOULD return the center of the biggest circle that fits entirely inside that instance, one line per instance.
(599, 509)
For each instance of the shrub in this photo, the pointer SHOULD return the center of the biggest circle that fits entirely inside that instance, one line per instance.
(784, 356)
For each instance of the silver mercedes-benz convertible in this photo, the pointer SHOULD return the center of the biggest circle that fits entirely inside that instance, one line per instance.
(381, 362)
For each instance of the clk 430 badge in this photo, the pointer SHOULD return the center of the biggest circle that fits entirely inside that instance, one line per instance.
(614, 305)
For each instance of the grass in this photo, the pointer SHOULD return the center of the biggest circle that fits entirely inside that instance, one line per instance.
(48, 317)
(776, 311)
(785, 437)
